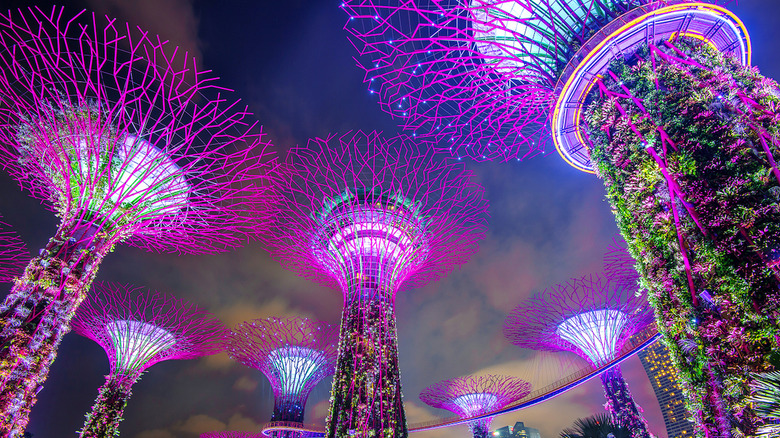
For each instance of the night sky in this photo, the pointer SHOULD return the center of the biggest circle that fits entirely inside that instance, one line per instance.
(291, 62)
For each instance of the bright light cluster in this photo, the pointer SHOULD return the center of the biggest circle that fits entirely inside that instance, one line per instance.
(596, 333)
(476, 403)
(476, 395)
(295, 367)
(136, 342)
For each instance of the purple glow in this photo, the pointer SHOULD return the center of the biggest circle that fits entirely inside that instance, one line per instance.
(475, 403)
(295, 366)
(138, 328)
(476, 395)
(595, 333)
(592, 316)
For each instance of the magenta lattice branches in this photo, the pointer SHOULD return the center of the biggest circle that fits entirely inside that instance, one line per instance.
(294, 353)
(593, 317)
(476, 395)
(13, 253)
(101, 124)
(371, 216)
(620, 266)
(139, 328)
(481, 76)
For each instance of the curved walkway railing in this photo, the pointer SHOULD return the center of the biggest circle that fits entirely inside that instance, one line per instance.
(633, 345)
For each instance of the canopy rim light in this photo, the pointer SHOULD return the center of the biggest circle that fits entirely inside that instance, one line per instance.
(721, 29)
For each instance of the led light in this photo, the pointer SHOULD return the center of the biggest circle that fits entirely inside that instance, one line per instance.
(596, 333)
(475, 403)
(295, 365)
(136, 342)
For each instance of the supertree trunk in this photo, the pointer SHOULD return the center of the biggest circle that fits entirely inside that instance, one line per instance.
(366, 397)
(686, 142)
(480, 429)
(621, 404)
(289, 408)
(103, 421)
(37, 313)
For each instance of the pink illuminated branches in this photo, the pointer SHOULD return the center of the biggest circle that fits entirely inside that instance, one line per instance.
(103, 126)
(138, 328)
(591, 316)
(13, 253)
(125, 143)
(433, 212)
(482, 76)
(471, 396)
(295, 354)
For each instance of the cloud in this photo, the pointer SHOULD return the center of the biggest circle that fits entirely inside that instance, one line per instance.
(172, 20)
(243, 424)
(245, 384)
(198, 424)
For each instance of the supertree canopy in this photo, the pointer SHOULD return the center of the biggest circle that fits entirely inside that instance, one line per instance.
(372, 216)
(13, 253)
(294, 353)
(656, 98)
(592, 317)
(620, 266)
(476, 395)
(139, 328)
(230, 434)
(103, 126)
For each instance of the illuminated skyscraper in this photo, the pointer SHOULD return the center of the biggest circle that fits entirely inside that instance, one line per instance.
(659, 368)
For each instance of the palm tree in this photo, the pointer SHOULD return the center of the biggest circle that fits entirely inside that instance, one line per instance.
(596, 426)
(766, 402)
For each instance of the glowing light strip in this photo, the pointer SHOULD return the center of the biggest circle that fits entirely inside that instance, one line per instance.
(718, 13)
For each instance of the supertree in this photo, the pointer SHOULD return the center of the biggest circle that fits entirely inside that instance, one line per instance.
(659, 95)
(592, 317)
(295, 354)
(139, 328)
(371, 216)
(476, 395)
(620, 266)
(103, 126)
(13, 253)
(230, 434)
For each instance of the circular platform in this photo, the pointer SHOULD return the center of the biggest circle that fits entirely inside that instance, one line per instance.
(623, 37)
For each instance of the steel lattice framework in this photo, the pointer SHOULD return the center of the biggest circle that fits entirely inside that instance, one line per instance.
(13, 253)
(295, 354)
(476, 395)
(138, 328)
(620, 266)
(371, 216)
(592, 317)
(102, 125)
(485, 77)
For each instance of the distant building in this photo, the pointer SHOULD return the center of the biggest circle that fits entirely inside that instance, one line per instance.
(659, 368)
(519, 430)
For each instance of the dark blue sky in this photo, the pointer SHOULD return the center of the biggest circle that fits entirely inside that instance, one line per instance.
(291, 62)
